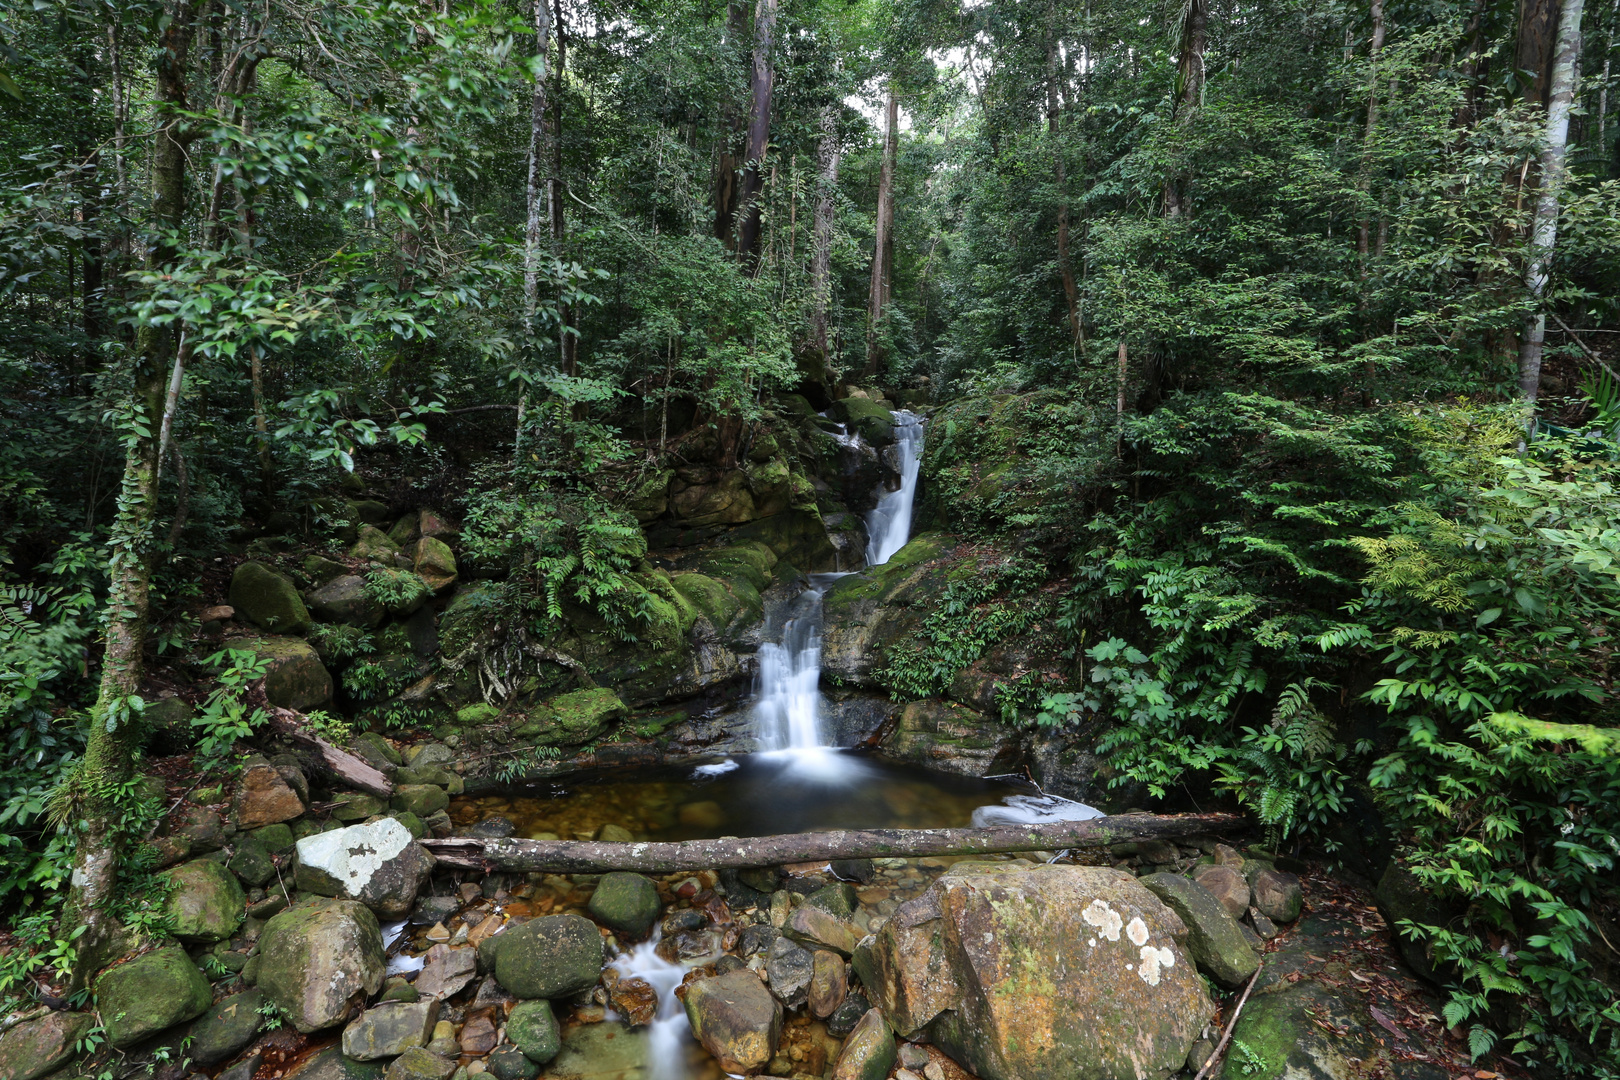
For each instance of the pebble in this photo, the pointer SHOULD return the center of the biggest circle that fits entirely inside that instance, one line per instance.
(438, 934)
(913, 1056)
(934, 1071)
(906, 1074)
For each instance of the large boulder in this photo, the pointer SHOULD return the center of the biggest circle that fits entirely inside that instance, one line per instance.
(379, 864)
(736, 1020)
(1277, 894)
(1214, 939)
(205, 903)
(295, 678)
(550, 957)
(268, 600)
(435, 564)
(864, 612)
(264, 797)
(345, 600)
(871, 421)
(320, 960)
(37, 1047)
(389, 1029)
(227, 1028)
(1227, 884)
(330, 1064)
(149, 994)
(1034, 972)
(625, 902)
(572, 718)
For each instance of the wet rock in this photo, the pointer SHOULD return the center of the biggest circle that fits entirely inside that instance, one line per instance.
(491, 828)
(616, 834)
(423, 800)
(346, 600)
(605, 1051)
(379, 865)
(685, 919)
(37, 1047)
(1008, 969)
(820, 929)
(1278, 896)
(550, 957)
(736, 1020)
(1264, 928)
(435, 564)
(227, 1028)
(264, 797)
(252, 863)
(389, 1029)
(447, 971)
(267, 599)
(860, 871)
(1227, 885)
(848, 1014)
(790, 969)
(837, 900)
(868, 1052)
(637, 1001)
(625, 902)
(149, 994)
(434, 909)
(351, 806)
(420, 1064)
(244, 1069)
(205, 903)
(375, 751)
(533, 1029)
(755, 938)
(913, 1056)
(330, 1064)
(1214, 939)
(510, 1063)
(320, 960)
(828, 984)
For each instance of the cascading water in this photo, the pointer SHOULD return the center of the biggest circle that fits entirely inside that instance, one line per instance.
(667, 1035)
(888, 527)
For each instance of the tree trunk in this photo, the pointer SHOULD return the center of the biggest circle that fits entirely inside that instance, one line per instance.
(1189, 89)
(535, 192)
(828, 152)
(1544, 230)
(759, 133)
(96, 790)
(1374, 50)
(883, 246)
(1538, 20)
(591, 856)
(727, 165)
(1071, 295)
(567, 344)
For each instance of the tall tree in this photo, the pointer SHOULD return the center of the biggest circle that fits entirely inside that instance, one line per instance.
(761, 84)
(829, 149)
(728, 166)
(1544, 229)
(1054, 130)
(882, 286)
(1189, 87)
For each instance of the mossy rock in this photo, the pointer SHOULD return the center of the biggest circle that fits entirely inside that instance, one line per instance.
(470, 612)
(743, 561)
(149, 994)
(864, 613)
(549, 957)
(870, 420)
(295, 679)
(717, 603)
(796, 536)
(650, 500)
(268, 599)
(435, 564)
(533, 1028)
(573, 718)
(374, 544)
(625, 902)
(477, 715)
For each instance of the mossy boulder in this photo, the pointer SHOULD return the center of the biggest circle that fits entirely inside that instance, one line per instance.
(267, 599)
(723, 499)
(251, 862)
(549, 957)
(625, 902)
(1215, 940)
(205, 903)
(435, 564)
(718, 603)
(345, 599)
(650, 499)
(952, 738)
(423, 800)
(533, 1028)
(374, 544)
(796, 536)
(227, 1028)
(573, 718)
(471, 611)
(149, 994)
(736, 1020)
(865, 613)
(866, 418)
(319, 961)
(295, 678)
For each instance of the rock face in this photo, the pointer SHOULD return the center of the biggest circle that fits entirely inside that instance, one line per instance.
(864, 612)
(868, 1052)
(1050, 971)
(379, 865)
(318, 961)
(205, 901)
(35, 1048)
(265, 797)
(1214, 939)
(550, 957)
(390, 1029)
(226, 1029)
(150, 993)
(268, 599)
(736, 1020)
(345, 600)
(627, 903)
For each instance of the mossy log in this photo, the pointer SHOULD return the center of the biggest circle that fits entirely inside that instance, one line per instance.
(594, 856)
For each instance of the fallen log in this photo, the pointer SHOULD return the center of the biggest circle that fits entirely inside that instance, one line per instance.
(341, 764)
(597, 856)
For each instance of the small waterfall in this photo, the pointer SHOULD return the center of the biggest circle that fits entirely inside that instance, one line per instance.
(669, 1033)
(888, 527)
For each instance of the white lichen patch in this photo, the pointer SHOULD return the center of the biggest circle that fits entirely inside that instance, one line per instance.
(1104, 918)
(353, 856)
(1137, 931)
(1153, 961)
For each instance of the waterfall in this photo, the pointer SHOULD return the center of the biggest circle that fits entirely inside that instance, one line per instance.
(888, 527)
(669, 1033)
(788, 702)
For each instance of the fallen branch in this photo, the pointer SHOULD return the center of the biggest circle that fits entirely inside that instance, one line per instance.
(597, 856)
(1231, 1025)
(341, 764)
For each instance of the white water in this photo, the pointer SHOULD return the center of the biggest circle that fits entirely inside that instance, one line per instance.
(669, 1033)
(888, 527)
(1032, 810)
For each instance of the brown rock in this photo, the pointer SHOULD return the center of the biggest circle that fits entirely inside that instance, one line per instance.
(478, 1036)
(1278, 895)
(736, 1020)
(1227, 885)
(446, 971)
(265, 798)
(815, 928)
(635, 1000)
(829, 982)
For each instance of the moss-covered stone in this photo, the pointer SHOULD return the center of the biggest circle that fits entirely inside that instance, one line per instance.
(251, 862)
(276, 839)
(227, 1028)
(423, 800)
(295, 679)
(650, 499)
(797, 536)
(625, 902)
(149, 994)
(319, 961)
(435, 564)
(374, 544)
(864, 613)
(36, 1047)
(533, 1028)
(549, 957)
(476, 715)
(345, 599)
(267, 599)
(717, 603)
(205, 902)
(573, 718)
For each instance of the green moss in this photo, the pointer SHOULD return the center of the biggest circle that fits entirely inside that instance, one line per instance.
(573, 718)
(476, 715)
(717, 603)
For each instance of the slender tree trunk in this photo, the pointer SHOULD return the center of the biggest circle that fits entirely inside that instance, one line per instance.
(1054, 115)
(883, 246)
(97, 788)
(1375, 49)
(1544, 231)
(1189, 89)
(535, 192)
(759, 133)
(727, 164)
(567, 343)
(1534, 48)
(828, 152)
(1603, 87)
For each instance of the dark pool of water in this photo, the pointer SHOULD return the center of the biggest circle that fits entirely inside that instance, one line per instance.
(757, 795)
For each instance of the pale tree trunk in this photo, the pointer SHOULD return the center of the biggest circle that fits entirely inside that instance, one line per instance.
(535, 195)
(567, 344)
(1071, 295)
(828, 152)
(93, 793)
(1189, 89)
(763, 84)
(883, 246)
(1544, 230)
(1375, 49)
